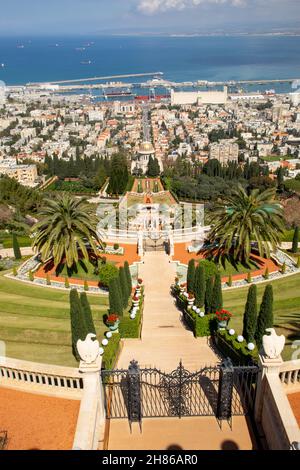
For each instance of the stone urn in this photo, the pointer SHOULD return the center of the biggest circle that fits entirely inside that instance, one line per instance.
(222, 325)
(115, 327)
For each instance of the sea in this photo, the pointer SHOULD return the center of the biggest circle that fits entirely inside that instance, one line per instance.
(213, 58)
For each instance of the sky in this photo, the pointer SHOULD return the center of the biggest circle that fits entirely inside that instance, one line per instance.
(91, 17)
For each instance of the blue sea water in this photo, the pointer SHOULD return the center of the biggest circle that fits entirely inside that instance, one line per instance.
(180, 58)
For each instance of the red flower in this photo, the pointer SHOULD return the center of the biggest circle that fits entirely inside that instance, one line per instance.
(135, 298)
(140, 281)
(112, 319)
(191, 295)
(223, 315)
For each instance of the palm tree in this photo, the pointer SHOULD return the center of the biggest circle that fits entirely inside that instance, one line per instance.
(67, 227)
(243, 218)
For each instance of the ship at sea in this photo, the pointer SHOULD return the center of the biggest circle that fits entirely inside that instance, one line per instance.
(111, 92)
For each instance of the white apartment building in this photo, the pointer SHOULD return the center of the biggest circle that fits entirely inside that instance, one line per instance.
(24, 174)
(225, 151)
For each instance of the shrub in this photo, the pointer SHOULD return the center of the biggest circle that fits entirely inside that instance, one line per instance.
(111, 351)
(199, 286)
(295, 240)
(107, 272)
(124, 286)
(87, 313)
(16, 247)
(210, 268)
(250, 315)
(48, 280)
(86, 285)
(265, 316)
(229, 282)
(116, 246)
(67, 284)
(115, 297)
(191, 276)
(31, 276)
(15, 271)
(217, 297)
(208, 295)
(283, 268)
(249, 277)
(298, 262)
(230, 347)
(78, 325)
(131, 328)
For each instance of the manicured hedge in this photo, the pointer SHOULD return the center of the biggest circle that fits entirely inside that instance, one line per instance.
(230, 347)
(111, 352)
(201, 326)
(129, 328)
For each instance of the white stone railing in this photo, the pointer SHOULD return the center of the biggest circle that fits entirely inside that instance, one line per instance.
(48, 379)
(290, 373)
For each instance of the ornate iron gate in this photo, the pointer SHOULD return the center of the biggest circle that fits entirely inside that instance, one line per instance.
(222, 391)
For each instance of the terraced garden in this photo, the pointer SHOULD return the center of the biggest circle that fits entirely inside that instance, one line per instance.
(286, 308)
(35, 322)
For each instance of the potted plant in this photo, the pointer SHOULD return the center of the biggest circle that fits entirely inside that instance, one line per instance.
(112, 322)
(140, 281)
(182, 286)
(176, 280)
(135, 301)
(190, 299)
(223, 317)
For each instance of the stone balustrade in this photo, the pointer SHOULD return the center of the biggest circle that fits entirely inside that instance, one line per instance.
(290, 373)
(42, 378)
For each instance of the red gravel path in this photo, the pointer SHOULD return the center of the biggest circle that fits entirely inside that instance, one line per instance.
(36, 422)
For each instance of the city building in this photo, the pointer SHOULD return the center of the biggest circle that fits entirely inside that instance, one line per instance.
(225, 151)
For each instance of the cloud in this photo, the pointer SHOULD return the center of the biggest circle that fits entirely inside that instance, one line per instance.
(151, 7)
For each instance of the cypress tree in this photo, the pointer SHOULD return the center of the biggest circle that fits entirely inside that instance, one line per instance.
(78, 326)
(295, 240)
(265, 316)
(208, 295)
(124, 286)
(250, 315)
(128, 277)
(199, 286)
(115, 297)
(88, 317)
(191, 276)
(217, 297)
(16, 247)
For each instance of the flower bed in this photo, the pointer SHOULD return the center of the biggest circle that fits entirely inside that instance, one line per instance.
(238, 352)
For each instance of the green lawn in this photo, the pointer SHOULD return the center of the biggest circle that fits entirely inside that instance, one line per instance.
(35, 322)
(286, 307)
(6, 241)
(293, 184)
(227, 268)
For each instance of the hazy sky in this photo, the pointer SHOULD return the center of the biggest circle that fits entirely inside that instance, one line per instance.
(31, 17)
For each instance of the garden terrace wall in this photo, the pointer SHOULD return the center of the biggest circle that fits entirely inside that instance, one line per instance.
(51, 380)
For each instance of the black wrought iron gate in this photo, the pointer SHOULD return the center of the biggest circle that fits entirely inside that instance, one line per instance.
(222, 391)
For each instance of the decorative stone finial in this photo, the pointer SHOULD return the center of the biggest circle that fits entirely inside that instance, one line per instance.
(273, 344)
(88, 349)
